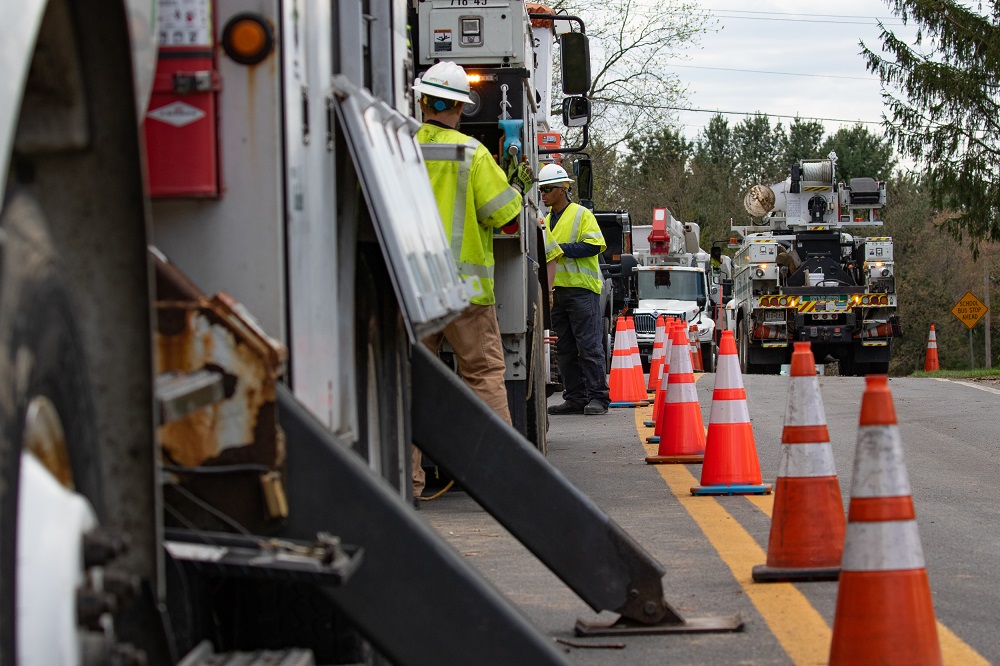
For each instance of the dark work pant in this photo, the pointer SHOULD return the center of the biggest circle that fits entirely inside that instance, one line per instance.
(576, 321)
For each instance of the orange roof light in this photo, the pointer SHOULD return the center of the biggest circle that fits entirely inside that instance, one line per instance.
(248, 38)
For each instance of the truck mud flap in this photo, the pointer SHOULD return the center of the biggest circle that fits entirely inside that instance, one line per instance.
(563, 527)
(412, 596)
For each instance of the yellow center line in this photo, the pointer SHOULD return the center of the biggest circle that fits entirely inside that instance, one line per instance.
(802, 632)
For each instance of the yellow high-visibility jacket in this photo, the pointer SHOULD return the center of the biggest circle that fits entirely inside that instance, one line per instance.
(578, 224)
(474, 198)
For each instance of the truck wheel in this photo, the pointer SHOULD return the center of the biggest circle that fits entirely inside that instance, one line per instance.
(536, 414)
(742, 344)
(708, 351)
(46, 401)
(382, 372)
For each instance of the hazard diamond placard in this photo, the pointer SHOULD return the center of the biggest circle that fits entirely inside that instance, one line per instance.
(969, 310)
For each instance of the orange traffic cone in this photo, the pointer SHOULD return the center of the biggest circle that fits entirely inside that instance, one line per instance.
(623, 390)
(931, 361)
(663, 372)
(807, 523)
(656, 360)
(731, 465)
(682, 438)
(885, 614)
(637, 377)
(696, 363)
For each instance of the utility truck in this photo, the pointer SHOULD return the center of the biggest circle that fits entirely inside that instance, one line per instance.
(803, 271)
(220, 252)
(671, 277)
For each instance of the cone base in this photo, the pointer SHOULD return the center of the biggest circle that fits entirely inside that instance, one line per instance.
(637, 403)
(765, 574)
(671, 460)
(733, 489)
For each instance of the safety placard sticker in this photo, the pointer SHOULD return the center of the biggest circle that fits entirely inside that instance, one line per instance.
(185, 23)
(442, 40)
(177, 114)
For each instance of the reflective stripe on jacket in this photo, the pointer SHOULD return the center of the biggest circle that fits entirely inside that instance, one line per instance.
(473, 198)
(578, 224)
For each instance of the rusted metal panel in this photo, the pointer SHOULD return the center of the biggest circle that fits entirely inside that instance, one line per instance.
(231, 453)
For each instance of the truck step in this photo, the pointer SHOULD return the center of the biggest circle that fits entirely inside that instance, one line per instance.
(204, 655)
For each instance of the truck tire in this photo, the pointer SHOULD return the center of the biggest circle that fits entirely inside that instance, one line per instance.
(708, 355)
(42, 367)
(743, 348)
(382, 369)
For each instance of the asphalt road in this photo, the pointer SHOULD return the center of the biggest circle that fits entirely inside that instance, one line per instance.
(951, 438)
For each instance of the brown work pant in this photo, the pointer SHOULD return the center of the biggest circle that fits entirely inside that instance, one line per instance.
(475, 337)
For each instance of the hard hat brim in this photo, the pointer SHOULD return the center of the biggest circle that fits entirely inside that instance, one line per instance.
(437, 90)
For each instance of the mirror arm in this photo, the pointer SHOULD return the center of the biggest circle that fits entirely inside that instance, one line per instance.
(573, 149)
(560, 17)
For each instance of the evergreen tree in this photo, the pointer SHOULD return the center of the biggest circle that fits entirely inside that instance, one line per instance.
(860, 153)
(944, 107)
(803, 141)
(758, 150)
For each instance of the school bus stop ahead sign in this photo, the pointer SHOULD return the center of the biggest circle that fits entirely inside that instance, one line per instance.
(969, 310)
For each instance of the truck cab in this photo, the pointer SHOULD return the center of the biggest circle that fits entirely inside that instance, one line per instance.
(671, 278)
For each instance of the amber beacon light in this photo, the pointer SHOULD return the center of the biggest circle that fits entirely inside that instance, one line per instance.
(248, 38)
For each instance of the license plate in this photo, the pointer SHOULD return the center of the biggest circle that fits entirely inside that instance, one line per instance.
(774, 315)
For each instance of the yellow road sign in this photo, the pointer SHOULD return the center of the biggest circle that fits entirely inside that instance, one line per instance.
(969, 310)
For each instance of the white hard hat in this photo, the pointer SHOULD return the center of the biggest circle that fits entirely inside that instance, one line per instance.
(553, 174)
(445, 80)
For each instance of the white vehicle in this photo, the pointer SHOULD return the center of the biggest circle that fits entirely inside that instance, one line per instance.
(803, 273)
(672, 278)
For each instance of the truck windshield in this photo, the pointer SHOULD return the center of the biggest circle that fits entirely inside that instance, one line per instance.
(674, 285)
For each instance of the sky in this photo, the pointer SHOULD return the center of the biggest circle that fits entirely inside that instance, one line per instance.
(786, 58)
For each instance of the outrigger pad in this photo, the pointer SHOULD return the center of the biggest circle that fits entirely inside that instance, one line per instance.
(671, 624)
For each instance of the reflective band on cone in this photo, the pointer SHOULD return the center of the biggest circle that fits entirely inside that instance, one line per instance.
(807, 522)
(731, 466)
(682, 439)
(884, 614)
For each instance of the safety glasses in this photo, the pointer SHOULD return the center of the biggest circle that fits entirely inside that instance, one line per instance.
(545, 189)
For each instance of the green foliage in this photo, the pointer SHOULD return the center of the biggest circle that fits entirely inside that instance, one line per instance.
(860, 153)
(803, 141)
(944, 110)
(759, 150)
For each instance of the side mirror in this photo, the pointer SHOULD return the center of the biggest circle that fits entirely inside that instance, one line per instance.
(629, 264)
(576, 111)
(575, 57)
(701, 301)
(583, 169)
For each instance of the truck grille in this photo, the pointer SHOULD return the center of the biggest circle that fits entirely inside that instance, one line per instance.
(646, 323)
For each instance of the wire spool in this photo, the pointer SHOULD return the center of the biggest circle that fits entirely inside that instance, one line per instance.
(821, 171)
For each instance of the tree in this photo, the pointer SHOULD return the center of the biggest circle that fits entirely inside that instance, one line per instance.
(758, 150)
(803, 141)
(715, 142)
(942, 95)
(860, 153)
(632, 87)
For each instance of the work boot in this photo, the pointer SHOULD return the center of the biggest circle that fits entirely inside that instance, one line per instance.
(595, 407)
(566, 408)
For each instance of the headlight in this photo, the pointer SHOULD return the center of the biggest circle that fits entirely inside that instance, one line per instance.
(759, 272)
(886, 272)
